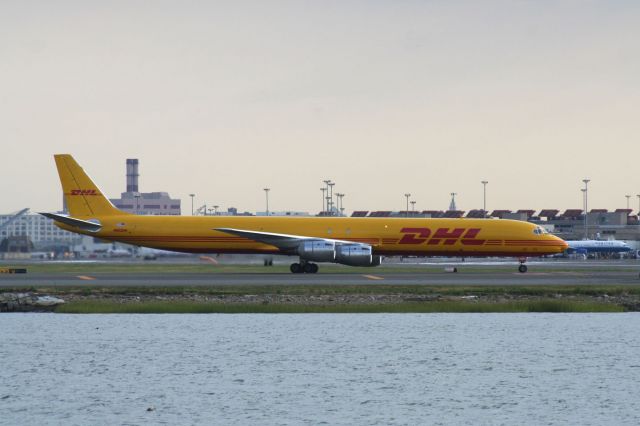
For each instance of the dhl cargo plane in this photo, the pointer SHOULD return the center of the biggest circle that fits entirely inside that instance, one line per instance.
(348, 241)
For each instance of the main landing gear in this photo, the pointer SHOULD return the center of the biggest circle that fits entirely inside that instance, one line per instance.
(304, 268)
(522, 268)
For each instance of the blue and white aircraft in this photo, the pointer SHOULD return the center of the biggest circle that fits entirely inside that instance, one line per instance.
(597, 246)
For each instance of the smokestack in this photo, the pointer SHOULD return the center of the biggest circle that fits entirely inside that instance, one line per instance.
(132, 175)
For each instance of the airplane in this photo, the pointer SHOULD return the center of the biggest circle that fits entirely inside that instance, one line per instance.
(343, 240)
(596, 246)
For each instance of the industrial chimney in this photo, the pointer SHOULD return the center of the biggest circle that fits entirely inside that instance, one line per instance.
(132, 175)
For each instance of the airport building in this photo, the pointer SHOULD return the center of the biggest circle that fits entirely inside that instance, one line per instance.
(144, 203)
(24, 231)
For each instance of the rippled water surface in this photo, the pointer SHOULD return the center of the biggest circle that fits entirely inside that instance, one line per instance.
(320, 369)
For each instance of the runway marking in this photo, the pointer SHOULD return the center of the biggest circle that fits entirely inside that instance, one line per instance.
(85, 277)
(531, 273)
(209, 259)
(373, 277)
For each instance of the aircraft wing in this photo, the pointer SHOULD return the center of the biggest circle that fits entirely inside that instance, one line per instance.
(284, 242)
(78, 223)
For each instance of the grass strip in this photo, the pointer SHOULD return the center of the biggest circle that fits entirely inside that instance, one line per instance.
(189, 307)
(315, 290)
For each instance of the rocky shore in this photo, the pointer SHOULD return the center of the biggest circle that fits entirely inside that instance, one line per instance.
(28, 302)
(36, 302)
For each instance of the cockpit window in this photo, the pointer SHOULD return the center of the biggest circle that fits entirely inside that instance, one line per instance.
(540, 230)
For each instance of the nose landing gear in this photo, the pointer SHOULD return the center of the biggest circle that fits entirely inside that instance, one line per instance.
(522, 268)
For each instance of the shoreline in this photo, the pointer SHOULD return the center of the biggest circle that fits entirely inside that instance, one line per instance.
(333, 299)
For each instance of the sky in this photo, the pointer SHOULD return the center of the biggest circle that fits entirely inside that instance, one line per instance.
(223, 99)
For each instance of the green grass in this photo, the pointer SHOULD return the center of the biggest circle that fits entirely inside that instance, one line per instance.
(315, 290)
(182, 307)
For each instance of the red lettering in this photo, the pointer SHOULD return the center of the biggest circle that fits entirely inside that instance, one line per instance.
(442, 235)
(410, 235)
(469, 238)
(83, 192)
(449, 237)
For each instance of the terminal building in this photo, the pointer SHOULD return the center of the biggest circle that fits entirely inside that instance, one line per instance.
(145, 203)
(25, 232)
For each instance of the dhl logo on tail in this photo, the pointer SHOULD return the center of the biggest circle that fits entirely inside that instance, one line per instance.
(83, 192)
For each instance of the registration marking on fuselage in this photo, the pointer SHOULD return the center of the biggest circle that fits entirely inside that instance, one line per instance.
(85, 277)
(373, 277)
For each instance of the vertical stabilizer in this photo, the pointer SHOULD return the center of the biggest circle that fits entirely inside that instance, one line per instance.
(82, 196)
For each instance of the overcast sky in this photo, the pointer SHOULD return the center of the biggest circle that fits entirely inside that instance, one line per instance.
(384, 97)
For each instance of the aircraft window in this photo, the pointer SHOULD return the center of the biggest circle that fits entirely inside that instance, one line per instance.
(540, 231)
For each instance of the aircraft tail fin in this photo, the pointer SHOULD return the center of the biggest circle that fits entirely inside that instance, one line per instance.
(82, 196)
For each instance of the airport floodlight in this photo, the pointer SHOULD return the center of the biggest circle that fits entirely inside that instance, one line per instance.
(407, 195)
(266, 193)
(192, 195)
(331, 209)
(484, 198)
(638, 195)
(327, 182)
(323, 199)
(586, 204)
(340, 206)
(215, 210)
(628, 197)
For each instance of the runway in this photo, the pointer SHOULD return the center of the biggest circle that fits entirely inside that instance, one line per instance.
(475, 277)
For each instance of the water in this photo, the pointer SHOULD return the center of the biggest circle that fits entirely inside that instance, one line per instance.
(320, 369)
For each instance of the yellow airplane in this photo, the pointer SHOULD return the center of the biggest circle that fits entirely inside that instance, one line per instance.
(348, 241)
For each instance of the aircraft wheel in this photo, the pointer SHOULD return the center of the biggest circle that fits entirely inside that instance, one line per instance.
(296, 268)
(314, 268)
(522, 268)
(308, 268)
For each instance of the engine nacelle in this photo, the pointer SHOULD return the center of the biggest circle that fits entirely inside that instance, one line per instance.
(317, 251)
(356, 255)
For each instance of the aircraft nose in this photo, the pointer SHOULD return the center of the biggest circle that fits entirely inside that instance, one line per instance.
(564, 243)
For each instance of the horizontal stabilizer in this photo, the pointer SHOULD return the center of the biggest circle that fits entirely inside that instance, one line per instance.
(77, 223)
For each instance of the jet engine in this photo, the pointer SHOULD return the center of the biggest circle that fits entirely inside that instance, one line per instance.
(317, 250)
(356, 255)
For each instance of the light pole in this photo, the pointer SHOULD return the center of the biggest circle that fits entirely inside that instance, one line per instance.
(323, 199)
(326, 190)
(340, 206)
(407, 195)
(215, 210)
(192, 195)
(266, 193)
(413, 206)
(584, 191)
(628, 197)
(638, 195)
(331, 195)
(586, 204)
(484, 198)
